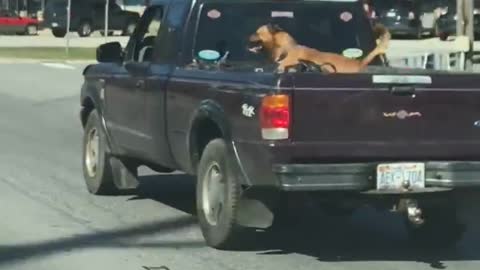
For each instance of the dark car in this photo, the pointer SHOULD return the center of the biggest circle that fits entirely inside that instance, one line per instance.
(187, 95)
(447, 22)
(400, 16)
(88, 16)
(11, 23)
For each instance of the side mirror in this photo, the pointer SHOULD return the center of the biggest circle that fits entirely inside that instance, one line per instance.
(110, 53)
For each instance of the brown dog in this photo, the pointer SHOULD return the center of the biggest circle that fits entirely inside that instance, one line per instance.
(285, 51)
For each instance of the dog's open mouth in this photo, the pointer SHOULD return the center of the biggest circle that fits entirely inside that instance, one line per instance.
(255, 47)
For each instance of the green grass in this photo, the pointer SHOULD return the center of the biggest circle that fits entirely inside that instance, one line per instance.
(50, 53)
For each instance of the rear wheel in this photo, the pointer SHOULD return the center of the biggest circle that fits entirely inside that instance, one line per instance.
(441, 229)
(85, 29)
(218, 195)
(60, 33)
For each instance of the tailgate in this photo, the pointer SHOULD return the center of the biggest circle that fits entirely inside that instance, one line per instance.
(424, 116)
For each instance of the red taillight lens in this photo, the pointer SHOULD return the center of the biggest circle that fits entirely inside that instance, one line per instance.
(275, 117)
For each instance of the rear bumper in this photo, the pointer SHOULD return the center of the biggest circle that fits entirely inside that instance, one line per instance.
(362, 176)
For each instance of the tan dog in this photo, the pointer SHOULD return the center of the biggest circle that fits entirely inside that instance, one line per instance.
(285, 51)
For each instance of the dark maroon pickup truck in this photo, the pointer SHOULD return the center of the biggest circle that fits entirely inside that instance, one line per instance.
(186, 94)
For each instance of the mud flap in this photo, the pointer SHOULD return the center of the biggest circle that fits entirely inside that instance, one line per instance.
(254, 210)
(124, 177)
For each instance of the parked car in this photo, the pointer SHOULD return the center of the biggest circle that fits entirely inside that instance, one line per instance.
(187, 95)
(402, 17)
(11, 23)
(87, 17)
(447, 22)
(429, 14)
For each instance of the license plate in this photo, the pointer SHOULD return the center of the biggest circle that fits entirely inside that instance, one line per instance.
(393, 176)
(54, 24)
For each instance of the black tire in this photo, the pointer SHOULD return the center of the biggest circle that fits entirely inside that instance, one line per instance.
(31, 30)
(224, 233)
(99, 180)
(85, 29)
(129, 28)
(59, 33)
(440, 230)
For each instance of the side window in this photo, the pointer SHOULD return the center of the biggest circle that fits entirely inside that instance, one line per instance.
(141, 45)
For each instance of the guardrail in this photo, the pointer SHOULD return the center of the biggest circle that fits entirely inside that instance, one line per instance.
(430, 54)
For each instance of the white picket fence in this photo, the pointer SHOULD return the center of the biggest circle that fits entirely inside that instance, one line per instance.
(429, 54)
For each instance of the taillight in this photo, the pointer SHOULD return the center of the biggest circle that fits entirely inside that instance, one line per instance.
(275, 117)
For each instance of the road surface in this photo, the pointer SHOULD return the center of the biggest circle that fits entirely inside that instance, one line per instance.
(50, 222)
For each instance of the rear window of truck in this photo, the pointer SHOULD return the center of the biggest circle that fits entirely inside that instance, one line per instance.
(327, 26)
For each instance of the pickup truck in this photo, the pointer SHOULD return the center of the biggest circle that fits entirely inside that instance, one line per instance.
(187, 94)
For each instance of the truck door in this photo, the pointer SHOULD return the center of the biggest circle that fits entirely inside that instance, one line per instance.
(164, 61)
(126, 91)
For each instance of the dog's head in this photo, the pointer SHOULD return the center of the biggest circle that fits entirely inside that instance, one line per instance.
(263, 38)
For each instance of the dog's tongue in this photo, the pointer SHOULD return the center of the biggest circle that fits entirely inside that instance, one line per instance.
(255, 49)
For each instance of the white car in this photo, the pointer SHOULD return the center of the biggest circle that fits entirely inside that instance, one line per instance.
(132, 5)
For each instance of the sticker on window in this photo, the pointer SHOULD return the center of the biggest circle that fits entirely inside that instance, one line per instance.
(346, 16)
(352, 53)
(282, 14)
(214, 14)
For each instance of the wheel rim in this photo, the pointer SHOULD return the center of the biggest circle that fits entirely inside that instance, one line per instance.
(213, 194)
(91, 152)
(86, 29)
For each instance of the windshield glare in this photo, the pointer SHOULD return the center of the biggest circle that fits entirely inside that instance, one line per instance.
(326, 26)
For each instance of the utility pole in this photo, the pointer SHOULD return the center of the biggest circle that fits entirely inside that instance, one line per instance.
(107, 5)
(465, 28)
(67, 49)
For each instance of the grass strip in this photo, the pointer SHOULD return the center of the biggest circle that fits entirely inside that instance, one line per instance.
(50, 53)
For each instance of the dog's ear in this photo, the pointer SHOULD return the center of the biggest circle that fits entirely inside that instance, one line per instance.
(274, 28)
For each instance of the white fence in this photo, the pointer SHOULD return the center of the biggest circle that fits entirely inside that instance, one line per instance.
(429, 54)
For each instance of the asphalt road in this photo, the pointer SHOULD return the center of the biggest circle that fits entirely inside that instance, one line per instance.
(49, 221)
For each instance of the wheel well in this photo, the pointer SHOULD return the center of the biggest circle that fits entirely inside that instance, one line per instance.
(205, 131)
(88, 107)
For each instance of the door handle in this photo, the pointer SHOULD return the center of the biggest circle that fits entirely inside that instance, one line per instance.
(140, 84)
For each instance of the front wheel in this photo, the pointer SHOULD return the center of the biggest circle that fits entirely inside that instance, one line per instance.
(59, 33)
(97, 170)
(85, 29)
(218, 196)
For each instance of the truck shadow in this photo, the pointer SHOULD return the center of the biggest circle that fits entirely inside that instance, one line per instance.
(365, 236)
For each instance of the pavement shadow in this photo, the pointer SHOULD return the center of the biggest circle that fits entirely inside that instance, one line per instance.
(365, 236)
(120, 238)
